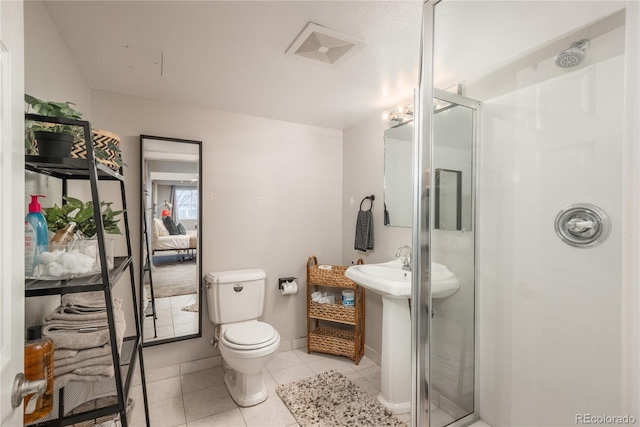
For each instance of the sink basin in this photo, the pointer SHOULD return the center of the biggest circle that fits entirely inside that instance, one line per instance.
(390, 279)
(387, 278)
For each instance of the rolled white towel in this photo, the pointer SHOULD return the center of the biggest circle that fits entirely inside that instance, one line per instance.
(315, 296)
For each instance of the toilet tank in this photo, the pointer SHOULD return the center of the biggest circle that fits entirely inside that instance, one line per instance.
(235, 295)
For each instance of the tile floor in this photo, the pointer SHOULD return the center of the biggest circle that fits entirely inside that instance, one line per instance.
(194, 395)
(171, 321)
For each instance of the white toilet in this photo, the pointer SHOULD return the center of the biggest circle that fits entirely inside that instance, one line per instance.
(235, 300)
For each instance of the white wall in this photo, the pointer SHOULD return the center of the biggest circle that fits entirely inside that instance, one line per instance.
(363, 171)
(50, 74)
(550, 342)
(272, 197)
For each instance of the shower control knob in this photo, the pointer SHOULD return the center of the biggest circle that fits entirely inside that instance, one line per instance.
(583, 225)
(579, 225)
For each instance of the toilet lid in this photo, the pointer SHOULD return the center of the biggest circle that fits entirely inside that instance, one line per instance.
(250, 334)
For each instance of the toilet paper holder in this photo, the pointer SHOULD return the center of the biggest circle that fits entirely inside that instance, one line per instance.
(285, 280)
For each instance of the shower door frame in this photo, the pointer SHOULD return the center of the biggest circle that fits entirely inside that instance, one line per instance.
(424, 206)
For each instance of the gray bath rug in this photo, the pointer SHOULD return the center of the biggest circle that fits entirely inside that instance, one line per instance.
(330, 399)
(194, 308)
(173, 280)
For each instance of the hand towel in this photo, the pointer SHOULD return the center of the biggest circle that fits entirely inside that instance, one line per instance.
(89, 374)
(82, 355)
(364, 231)
(75, 367)
(84, 299)
(79, 335)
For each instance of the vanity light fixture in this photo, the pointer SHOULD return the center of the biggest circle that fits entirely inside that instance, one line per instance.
(400, 114)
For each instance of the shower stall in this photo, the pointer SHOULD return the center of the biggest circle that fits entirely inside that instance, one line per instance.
(526, 172)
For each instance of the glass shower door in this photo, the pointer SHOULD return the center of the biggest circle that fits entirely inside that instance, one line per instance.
(452, 332)
(551, 340)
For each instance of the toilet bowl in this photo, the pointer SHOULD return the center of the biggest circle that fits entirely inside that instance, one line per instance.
(235, 301)
(247, 348)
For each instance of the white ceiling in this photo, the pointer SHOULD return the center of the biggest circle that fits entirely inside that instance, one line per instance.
(230, 55)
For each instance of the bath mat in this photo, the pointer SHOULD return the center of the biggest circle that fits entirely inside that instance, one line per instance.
(174, 280)
(194, 308)
(330, 399)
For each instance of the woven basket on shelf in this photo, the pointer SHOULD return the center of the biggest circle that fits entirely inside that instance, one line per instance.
(333, 341)
(329, 277)
(333, 312)
(101, 140)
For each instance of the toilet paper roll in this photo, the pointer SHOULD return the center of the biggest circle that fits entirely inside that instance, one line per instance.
(289, 288)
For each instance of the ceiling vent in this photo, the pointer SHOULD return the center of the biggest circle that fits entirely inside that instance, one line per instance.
(323, 46)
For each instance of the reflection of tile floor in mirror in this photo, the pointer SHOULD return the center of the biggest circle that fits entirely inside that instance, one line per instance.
(171, 320)
(193, 394)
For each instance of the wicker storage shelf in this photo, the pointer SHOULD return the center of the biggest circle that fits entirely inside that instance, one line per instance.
(334, 277)
(333, 341)
(325, 339)
(333, 312)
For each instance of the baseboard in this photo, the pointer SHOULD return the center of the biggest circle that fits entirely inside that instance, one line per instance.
(372, 354)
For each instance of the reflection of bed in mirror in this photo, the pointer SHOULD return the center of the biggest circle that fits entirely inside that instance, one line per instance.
(175, 242)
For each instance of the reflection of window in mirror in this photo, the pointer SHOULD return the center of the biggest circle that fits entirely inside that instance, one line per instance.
(187, 203)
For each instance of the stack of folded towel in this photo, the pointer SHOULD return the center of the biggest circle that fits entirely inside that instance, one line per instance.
(79, 329)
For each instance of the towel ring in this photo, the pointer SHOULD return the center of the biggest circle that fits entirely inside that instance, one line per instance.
(371, 198)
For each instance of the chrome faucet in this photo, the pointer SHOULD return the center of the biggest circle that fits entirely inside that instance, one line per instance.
(406, 260)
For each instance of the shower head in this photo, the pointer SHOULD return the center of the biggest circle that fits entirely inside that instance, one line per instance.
(574, 55)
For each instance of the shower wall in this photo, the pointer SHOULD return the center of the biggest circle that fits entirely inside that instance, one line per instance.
(550, 343)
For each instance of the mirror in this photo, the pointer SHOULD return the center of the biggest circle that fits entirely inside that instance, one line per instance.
(398, 186)
(453, 149)
(453, 139)
(171, 239)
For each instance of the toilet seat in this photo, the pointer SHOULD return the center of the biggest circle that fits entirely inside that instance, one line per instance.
(250, 336)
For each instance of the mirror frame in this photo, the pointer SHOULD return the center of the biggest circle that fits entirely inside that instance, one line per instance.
(198, 251)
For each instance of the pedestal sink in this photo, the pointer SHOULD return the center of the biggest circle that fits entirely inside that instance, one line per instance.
(394, 284)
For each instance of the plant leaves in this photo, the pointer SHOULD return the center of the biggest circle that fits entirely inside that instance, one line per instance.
(82, 214)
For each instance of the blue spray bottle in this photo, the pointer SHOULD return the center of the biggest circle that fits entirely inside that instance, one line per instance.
(36, 238)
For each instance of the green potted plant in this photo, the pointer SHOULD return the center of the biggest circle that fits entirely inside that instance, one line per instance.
(79, 254)
(52, 139)
(74, 210)
(49, 137)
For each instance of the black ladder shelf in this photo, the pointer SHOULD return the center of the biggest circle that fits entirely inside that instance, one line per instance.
(124, 362)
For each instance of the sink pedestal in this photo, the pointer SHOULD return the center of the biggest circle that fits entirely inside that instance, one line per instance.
(396, 355)
(393, 282)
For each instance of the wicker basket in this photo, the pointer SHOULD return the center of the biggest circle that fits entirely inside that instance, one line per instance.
(333, 341)
(333, 312)
(333, 277)
(101, 140)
